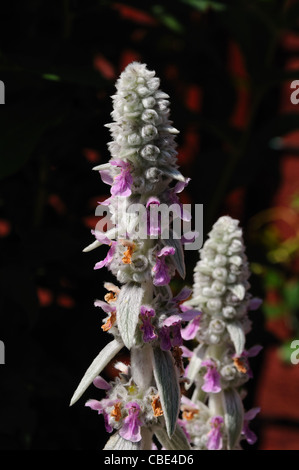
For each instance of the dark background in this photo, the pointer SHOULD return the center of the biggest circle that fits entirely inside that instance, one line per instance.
(227, 67)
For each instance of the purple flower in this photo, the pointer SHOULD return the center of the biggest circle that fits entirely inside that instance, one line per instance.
(211, 377)
(101, 383)
(106, 177)
(183, 295)
(108, 308)
(186, 352)
(255, 303)
(177, 339)
(215, 435)
(146, 314)
(189, 332)
(173, 198)
(122, 182)
(248, 434)
(170, 333)
(109, 257)
(100, 407)
(165, 342)
(131, 428)
(241, 362)
(172, 327)
(153, 217)
(160, 269)
(182, 424)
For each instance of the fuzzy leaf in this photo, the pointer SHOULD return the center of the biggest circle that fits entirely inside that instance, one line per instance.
(116, 442)
(233, 416)
(178, 440)
(178, 257)
(194, 364)
(128, 310)
(237, 336)
(168, 387)
(174, 173)
(96, 367)
(142, 366)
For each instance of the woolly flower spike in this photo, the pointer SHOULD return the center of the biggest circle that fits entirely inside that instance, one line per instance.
(142, 166)
(142, 314)
(219, 365)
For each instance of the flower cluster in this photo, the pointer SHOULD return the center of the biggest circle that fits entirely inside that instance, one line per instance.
(125, 407)
(219, 364)
(142, 166)
(141, 314)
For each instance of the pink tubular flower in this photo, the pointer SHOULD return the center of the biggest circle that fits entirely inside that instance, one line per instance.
(251, 352)
(106, 177)
(248, 434)
(160, 269)
(171, 332)
(101, 383)
(211, 378)
(165, 341)
(146, 314)
(189, 332)
(131, 428)
(215, 435)
(106, 261)
(170, 335)
(122, 182)
(100, 407)
(184, 294)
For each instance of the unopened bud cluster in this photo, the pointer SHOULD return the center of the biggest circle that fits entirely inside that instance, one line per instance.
(219, 364)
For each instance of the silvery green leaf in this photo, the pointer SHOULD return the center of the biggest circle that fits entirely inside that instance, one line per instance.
(128, 310)
(237, 336)
(109, 234)
(238, 290)
(104, 166)
(142, 366)
(116, 442)
(168, 387)
(178, 257)
(233, 416)
(178, 440)
(195, 363)
(96, 367)
(92, 246)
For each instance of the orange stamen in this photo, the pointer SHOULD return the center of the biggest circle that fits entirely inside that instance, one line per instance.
(189, 413)
(156, 405)
(127, 258)
(110, 297)
(239, 364)
(109, 322)
(116, 413)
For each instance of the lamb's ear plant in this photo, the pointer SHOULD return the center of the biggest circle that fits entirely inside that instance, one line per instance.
(214, 418)
(141, 312)
(144, 253)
